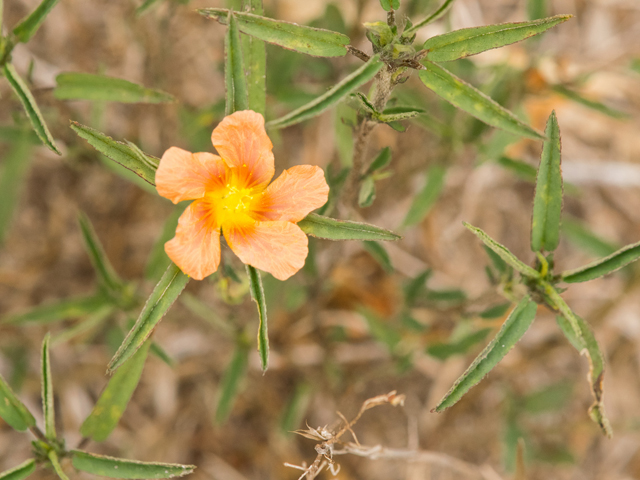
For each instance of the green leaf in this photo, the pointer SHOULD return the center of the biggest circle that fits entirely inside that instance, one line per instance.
(511, 332)
(496, 311)
(593, 105)
(158, 260)
(230, 382)
(87, 86)
(92, 321)
(551, 398)
(502, 251)
(580, 235)
(28, 26)
(296, 408)
(367, 193)
(200, 309)
(157, 350)
(311, 41)
(70, 308)
(12, 410)
(396, 117)
(442, 351)
(390, 4)
(332, 229)
(257, 295)
(55, 463)
(547, 204)
(431, 18)
(119, 152)
(145, 6)
(14, 170)
(358, 78)
(255, 62)
(471, 100)
(471, 41)
(427, 197)
(603, 266)
(380, 255)
(521, 169)
(30, 106)
(536, 9)
(11, 134)
(234, 78)
(164, 294)
(587, 345)
(120, 468)
(107, 276)
(416, 287)
(382, 160)
(497, 261)
(115, 397)
(23, 470)
(47, 391)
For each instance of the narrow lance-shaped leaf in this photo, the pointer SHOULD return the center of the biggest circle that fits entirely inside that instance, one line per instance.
(390, 4)
(511, 332)
(257, 294)
(581, 236)
(115, 397)
(312, 41)
(119, 152)
(471, 100)
(164, 294)
(382, 160)
(503, 253)
(547, 204)
(603, 266)
(380, 255)
(588, 346)
(55, 463)
(30, 107)
(14, 169)
(70, 308)
(25, 469)
(120, 468)
(593, 105)
(471, 41)
(88, 86)
(234, 79)
(358, 78)
(431, 18)
(332, 229)
(255, 63)
(230, 383)
(92, 321)
(48, 407)
(12, 410)
(30, 24)
(107, 276)
(423, 202)
(367, 193)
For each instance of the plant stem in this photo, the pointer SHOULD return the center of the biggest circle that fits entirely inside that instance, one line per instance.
(383, 85)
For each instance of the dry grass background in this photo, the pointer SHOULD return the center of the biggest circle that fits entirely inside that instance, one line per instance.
(170, 416)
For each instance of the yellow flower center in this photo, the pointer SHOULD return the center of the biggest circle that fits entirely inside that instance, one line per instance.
(233, 203)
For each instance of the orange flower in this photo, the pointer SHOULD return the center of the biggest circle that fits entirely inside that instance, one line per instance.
(231, 193)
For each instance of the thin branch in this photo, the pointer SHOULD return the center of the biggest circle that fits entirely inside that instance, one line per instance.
(358, 53)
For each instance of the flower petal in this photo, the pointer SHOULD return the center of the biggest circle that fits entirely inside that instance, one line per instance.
(242, 142)
(196, 246)
(183, 175)
(295, 193)
(279, 248)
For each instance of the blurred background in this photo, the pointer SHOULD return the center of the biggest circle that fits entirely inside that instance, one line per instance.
(342, 330)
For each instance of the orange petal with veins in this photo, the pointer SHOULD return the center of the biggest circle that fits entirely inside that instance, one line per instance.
(183, 175)
(279, 248)
(196, 246)
(295, 193)
(242, 142)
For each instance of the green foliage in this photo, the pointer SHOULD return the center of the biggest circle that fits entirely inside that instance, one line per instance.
(604, 266)
(255, 62)
(232, 378)
(547, 204)
(55, 463)
(28, 26)
(311, 41)
(234, 77)
(114, 398)
(514, 327)
(332, 229)
(87, 86)
(22, 471)
(30, 106)
(442, 9)
(581, 236)
(471, 41)
(257, 295)
(12, 175)
(591, 104)
(12, 410)
(63, 310)
(164, 294)
(471, 100)
(47, 391)
(122, 153)
(390, 4)
(314, 108)
(427, 197)
(120, 468)
(442, 351)
(379, 253)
